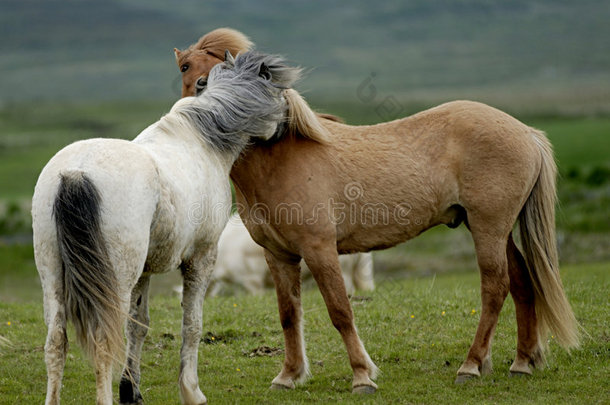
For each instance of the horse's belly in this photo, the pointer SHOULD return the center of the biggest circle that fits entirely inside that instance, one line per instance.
(159, 262)
(187, 220)
(365, 237)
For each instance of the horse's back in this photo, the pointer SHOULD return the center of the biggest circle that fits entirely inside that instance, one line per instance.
(99, 157)
(441, 148)
(120, 170)
(471, 122)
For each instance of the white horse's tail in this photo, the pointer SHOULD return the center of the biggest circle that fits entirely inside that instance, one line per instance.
(90, 285)
(537, 226)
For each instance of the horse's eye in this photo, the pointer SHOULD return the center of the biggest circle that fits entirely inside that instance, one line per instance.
(184, 68)
(201, 84)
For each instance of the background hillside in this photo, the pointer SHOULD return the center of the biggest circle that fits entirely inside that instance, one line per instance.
(550, 56)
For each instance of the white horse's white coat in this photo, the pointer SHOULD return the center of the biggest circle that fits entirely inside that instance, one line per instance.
(241, 261)
(165, 199)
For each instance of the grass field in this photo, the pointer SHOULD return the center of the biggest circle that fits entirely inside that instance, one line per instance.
(417, 331)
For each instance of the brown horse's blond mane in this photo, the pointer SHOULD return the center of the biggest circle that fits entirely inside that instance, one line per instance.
(303, 121)
(221, 39)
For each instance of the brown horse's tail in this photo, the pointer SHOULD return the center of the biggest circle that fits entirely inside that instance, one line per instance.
(537, 226)
(90, 285)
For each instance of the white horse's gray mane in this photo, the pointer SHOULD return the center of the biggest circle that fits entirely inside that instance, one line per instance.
(242, 99)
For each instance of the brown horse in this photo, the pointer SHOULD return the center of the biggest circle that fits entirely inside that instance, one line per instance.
(324, 187)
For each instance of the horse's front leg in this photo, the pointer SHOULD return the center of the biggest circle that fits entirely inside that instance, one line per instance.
(196, 276)
(323, 262)
(136, 330)
(287, 279)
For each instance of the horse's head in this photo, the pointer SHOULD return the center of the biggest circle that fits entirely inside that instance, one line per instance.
(244, 98)
(196, 61)
(252, 88)
(195, 64)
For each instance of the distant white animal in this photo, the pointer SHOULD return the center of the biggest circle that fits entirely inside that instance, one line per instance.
(241, 261)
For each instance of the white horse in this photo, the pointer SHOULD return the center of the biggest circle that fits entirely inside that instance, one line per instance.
(108, 213)
(242, 261)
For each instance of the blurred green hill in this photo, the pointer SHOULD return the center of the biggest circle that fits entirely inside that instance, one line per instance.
(549, 56)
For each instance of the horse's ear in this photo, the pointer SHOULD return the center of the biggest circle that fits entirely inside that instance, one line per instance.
(264, 71)
(229, 58)
(177, 53)
(279, 73)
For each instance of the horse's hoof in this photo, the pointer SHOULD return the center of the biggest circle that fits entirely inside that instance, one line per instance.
(364, 389)
(129, 394)
(462, 378)
(279, 387)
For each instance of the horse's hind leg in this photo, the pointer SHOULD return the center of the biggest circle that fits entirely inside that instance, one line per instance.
(196, 277)
(50, 269)
(493, 266)
(103, 373)
(323, 262)
(287, 280)
(104, 359)
(522, 291)
(56, 346)
(137, 328)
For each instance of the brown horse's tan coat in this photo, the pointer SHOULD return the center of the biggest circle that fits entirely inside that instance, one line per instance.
(325, 187)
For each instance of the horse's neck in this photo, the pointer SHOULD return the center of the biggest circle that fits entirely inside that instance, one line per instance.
(254, 167)
(246, 171)
(180, 145)
(263, 166)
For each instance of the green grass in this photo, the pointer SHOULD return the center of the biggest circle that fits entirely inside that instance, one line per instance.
(417, 348)
(578, 142)
(19, 280)
(20, 168)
